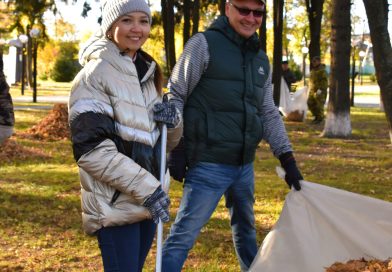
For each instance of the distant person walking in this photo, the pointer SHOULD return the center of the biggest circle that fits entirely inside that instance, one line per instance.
(7, 118)
(287, 74)
(114, 110)
(318, 85)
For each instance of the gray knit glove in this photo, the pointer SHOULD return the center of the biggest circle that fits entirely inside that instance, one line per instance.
(167, 113)
(158, 205)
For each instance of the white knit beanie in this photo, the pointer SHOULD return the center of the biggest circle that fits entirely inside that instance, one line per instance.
(113, 9)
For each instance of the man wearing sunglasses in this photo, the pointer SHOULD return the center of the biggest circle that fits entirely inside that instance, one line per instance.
(222, 84)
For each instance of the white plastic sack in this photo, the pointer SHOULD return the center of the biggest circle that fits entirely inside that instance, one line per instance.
(293, 102)
(321, 225)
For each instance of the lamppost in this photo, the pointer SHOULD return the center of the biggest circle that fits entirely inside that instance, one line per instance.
(305, 51)
(354, 45)
(23, 39)
(352, 77)
(34, 33)
(361, 56)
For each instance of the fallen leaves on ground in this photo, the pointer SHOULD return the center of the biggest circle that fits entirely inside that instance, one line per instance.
(53, 127)
(362, 265)
(11, 150)
(295, 116)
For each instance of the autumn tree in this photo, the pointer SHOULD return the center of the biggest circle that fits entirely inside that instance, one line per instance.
(191, 15)
(377, 14)
(187, 21)
(168, 26)
(5, 21)
(338, 122)
(263, 31)
(314, 10)
(277, 58)
(196, 16)
(222, 4)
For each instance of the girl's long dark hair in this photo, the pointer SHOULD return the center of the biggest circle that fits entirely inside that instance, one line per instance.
(158, 75)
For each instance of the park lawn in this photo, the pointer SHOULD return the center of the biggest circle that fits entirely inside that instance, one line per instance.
(40, 222)
(44, 88)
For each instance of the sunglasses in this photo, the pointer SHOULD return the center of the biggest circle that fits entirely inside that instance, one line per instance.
(257, 13)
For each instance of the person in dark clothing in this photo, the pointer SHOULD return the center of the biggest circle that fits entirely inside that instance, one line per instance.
(318, 90)
(222, 84)
(287, 74)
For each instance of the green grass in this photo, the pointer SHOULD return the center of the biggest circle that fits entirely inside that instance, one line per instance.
(43, 88)
(40, 222)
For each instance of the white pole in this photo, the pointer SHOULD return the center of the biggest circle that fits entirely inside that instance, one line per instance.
(158, 267)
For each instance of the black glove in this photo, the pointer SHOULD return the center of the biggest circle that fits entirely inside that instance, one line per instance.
(158, 205)
(293, 175)
(177, 162)
(167, 113)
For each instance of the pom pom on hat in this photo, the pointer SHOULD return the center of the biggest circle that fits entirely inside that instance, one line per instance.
(113, 9)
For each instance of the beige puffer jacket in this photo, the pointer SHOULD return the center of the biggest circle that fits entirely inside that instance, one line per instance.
(108, 85)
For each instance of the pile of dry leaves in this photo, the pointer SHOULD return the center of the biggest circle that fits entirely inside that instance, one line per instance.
(295, 116)
(54, 126)
(11, 150)
(362, 266)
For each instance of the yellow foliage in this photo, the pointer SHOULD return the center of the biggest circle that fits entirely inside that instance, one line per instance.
(47, 57)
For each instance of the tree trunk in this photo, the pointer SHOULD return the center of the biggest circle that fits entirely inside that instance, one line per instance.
(222, 4)
(338, 124)
(2, 76)
(165, 37)
(263, 32)
(187, 21)
(377, 14)
(1, 61)
(277, 59)
(168, 26)
(195, 16)
(314, 10)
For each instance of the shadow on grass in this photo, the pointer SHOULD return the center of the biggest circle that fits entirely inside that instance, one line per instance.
(58, 211)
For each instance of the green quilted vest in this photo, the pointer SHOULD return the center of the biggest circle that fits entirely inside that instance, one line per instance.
(222, 120)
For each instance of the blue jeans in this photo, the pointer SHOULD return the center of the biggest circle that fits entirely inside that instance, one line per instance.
(125, 248)
(203, 188)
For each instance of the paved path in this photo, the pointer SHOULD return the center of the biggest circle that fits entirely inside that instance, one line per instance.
(43, 99)
(372, 100)
(359, 101)
(40, 99)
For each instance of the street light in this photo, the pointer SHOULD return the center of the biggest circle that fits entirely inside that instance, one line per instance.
(305, 51)
(23, 39)
(34, 33)
(354, 45)
(353, 74)
(362, 54)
